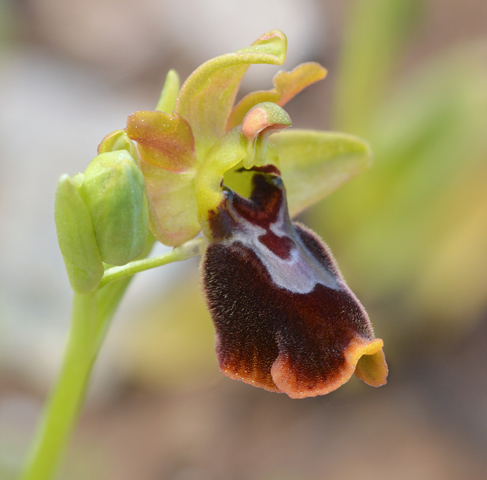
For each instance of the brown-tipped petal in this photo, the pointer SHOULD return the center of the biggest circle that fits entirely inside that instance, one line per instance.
(293, 377)
(285, 320)
(286, 86)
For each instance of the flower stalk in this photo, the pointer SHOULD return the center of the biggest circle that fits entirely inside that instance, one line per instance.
(91, 316)
(64, 404)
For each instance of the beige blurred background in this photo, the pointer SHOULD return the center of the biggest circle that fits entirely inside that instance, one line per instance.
(410, 236)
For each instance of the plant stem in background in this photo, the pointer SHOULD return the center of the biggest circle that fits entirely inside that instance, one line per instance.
(375, 32)
(67, 397)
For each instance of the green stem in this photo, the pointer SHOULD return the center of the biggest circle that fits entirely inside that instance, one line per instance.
(90, 321)
(187, 250)
(66, 399)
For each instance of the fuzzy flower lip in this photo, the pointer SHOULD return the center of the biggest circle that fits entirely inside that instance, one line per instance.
(295, 325)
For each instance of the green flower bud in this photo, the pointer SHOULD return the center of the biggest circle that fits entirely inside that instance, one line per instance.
(76, 236)
(117, 140)
(114, 193)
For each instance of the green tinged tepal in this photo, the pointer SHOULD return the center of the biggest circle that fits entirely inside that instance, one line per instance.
(101, 216)
(113, 191)
(76, 236)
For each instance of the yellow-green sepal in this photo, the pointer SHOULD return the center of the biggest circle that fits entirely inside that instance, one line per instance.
(207, 96)
(76, 237)
(163, 140)
(172, 205)
(169, 94)
(314, 164)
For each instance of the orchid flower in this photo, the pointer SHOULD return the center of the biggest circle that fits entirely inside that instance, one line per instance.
(210, 177)
(285, 319)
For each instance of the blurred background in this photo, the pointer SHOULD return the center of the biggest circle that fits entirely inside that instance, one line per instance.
(410, 236)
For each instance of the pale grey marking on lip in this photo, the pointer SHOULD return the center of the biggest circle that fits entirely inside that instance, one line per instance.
(300, 273)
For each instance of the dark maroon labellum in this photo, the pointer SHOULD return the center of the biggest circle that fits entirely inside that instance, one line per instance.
(285, 320)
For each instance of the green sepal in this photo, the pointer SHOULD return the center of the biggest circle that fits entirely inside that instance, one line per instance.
(163, 140)
(172, 204)
(76, 237)
(314, 164)
(169, 94)
(114, 192)
(207, 96)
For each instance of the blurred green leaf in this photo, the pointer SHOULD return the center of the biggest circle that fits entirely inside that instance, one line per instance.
(428, 138)
(376, 31)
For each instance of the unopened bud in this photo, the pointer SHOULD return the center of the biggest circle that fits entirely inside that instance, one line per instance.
(114, 193)
(76, 236)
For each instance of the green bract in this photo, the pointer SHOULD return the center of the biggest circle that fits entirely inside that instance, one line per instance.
(198, 137)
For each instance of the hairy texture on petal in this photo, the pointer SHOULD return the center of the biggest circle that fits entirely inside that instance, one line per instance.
(163, 140)
(286, 86)
(285, 319)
